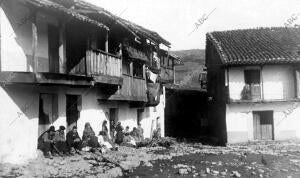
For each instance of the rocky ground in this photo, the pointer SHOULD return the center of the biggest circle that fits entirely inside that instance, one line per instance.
(260, 159)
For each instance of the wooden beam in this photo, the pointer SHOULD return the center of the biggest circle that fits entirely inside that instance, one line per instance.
(105, 79)
(34, 42)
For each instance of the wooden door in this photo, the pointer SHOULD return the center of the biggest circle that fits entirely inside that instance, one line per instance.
(263, 125)
(256, 126)
(53, 48)
(113, 116)
(72, 111)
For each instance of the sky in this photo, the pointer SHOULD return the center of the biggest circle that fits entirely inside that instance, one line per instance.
(181, 21)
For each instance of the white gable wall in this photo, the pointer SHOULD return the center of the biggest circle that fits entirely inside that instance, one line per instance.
(16, 38)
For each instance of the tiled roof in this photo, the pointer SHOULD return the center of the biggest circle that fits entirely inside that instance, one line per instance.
(257, 46)
(48, 4)
(134, 28)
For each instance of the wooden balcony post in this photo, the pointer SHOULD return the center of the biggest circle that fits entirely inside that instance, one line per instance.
(131, 69)
(106, 50)
(34, 42)
(106, 42)
(62, 49)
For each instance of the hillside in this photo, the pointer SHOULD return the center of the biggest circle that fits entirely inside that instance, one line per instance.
(193, 63)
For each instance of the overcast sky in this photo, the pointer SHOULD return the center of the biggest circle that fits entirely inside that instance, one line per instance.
(174, 20)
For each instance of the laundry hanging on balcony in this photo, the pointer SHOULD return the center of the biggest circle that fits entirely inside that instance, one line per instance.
(151, 76)
(153, 94)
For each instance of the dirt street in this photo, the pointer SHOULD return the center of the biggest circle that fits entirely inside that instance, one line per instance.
(259, 159)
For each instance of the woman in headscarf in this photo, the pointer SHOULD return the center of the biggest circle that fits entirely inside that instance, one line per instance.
(119, 135)
(104, 127)
(89, 139)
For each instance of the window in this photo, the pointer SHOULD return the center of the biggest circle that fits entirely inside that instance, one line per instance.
(126, 67)
(251, 89)
(138, 70)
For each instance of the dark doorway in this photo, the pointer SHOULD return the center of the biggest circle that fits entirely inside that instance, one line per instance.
(53, 48)
(263, 125)
(72, 110)
(113, 116)
(139, 115)
(48, 111)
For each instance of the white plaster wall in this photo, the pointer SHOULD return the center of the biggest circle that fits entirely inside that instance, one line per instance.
(239, 118)
(18, 123)
(16, 38)
(150, 114)
(278, 82)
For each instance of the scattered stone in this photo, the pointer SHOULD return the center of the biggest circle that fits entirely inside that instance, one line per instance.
(223, 173)
(182, 171)
(236, 174)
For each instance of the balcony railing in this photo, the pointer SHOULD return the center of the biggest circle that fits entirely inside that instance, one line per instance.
(98, 62)
(134, 88)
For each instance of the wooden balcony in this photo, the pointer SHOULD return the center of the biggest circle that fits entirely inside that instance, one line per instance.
(104, 67)
(133, 89)
(166, 75)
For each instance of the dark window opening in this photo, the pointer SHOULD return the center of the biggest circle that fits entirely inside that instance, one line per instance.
(126, 67)
(251, 90)
(138, 70)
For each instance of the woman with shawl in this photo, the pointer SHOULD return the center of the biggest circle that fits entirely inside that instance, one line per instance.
(89, 139)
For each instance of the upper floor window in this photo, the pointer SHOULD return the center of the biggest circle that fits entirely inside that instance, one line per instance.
(126, 67)
(138, 70)
(251, 90)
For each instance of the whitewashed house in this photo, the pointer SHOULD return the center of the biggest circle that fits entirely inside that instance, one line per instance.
(60, 66)
(254, 84)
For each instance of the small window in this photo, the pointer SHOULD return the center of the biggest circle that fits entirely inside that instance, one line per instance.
(252, 77)
(126, 67)
(251, 90)
(138, 70)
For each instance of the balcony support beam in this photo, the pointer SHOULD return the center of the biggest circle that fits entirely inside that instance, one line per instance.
(34, 41)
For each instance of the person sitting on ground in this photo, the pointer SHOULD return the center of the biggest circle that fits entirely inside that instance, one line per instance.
(73, 140)
(89, 139)
(46, 142)
(156, 133)
(128, 140)
(104, 128)
(135, 135)
(104, 142)
(60, 141)
(140, 131)
(127, 130)
(119, 134)
(112, 132)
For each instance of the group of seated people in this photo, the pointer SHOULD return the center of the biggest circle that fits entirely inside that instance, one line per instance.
(55, 143)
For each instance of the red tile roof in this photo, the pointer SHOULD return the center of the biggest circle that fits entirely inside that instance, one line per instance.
(257, 46)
